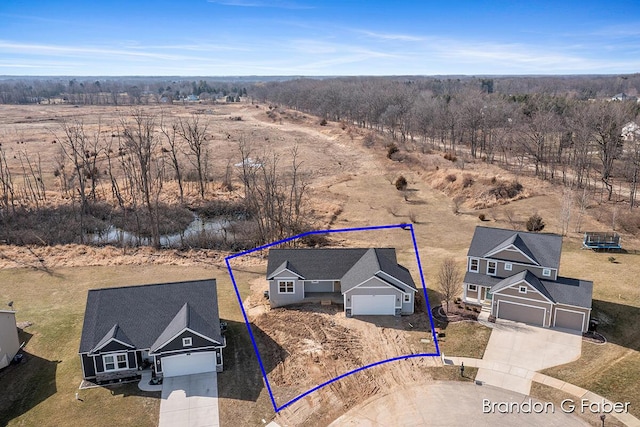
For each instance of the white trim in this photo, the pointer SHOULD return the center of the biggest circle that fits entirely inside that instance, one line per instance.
(275, 273)
(384, 282)
(178, 334)
(544, 319)
(508, 266)
(530, 285)
(394, 278)
(469, 285)
(477, 270)
(187, 342)
(546, 270)
(96, 350)
(511, 248)
(293, 286)
(189, 350)
(405, 297)
(520, 289)
(555, 315)
(495, 269)
(115, 362)
(551, 303)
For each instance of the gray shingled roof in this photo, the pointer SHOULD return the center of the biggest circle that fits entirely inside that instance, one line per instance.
(545, 248)
(525, 275)
(143, 313)
(350, 265)
(115, 332)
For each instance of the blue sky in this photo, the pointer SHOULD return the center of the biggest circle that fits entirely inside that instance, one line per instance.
(303, 37)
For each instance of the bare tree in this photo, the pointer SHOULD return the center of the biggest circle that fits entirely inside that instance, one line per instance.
(449, 280)
(566, 210)
(195, 134)
(170, 136)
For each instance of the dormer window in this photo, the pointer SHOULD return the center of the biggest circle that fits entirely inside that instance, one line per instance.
(546, 272)
(523, 289)
(187, 342)
(492, 268)
(474, 265)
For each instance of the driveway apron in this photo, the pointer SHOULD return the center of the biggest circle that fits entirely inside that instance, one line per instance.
(190, 401)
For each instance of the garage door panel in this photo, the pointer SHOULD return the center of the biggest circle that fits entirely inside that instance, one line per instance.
(362, 305)
(521, 313)
(569, 319)
(188, 364)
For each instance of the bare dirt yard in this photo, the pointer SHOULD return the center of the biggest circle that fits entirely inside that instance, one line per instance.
(351, 185)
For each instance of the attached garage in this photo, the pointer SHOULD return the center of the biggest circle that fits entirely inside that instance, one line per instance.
(521, 313)
(189, 363)
(569, 319)
(362, 305)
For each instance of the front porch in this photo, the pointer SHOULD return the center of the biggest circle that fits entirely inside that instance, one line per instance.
(323, 297)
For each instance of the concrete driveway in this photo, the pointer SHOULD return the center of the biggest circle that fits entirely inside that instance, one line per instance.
(190, 401)
(515, 351)
(449, 404)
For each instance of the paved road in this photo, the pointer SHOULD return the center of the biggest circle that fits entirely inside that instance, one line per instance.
(190, 401)
(451, 404)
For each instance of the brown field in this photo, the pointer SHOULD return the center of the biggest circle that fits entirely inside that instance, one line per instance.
(350, 186)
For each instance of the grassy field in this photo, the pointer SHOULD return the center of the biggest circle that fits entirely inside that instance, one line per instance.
(42, 389)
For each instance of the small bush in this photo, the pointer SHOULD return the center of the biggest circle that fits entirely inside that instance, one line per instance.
(450, 156)
(482, 217)
(535, 223)
(401, 183)
(369, 140)
(467, 181)
(323, 122)
(612, 259)
(451, 177)
(506, 190)
(391, 150)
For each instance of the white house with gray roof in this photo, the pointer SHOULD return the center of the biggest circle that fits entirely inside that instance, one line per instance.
(172, 328)
(367, 281)
(9, 343)
(514, 275)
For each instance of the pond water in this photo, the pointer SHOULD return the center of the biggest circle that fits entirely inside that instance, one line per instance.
(215, 228)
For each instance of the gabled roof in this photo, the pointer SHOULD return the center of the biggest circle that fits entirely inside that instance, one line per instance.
(185, 319)
(141, 314)
(371, 264)
(526, 276)
(351, 266)
(115, 333)
(515, 241)
(545, 249)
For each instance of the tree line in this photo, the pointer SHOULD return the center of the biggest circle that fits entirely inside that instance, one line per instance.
(552, 128)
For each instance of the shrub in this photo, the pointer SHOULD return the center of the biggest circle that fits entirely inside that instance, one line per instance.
(612, 259)
(369, 140)
(506, 190)
(391, 150)
(323, 122)
(450, 156)
(451, 177)
(467, 181)
(481, 217)
(535, 223)
(401, 183)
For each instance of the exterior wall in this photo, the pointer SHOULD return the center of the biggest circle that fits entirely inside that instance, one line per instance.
(514, 256)
(515, 269)
(374, 286)
(408, 307)
(500, 297)
(472, 294)
(87, 366)
(131, 359)
(321, 286)
(278, 300)
(176, 344)
(9, 343)
(114, 346)
(531, 294)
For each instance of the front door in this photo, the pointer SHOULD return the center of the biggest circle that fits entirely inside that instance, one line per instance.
(482, 293)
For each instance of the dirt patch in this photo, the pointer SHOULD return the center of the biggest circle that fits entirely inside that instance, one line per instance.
(306, 345)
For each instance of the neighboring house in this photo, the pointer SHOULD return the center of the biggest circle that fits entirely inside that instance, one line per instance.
(366, 281)
(9, 342)
(173, 328)
(515, 275)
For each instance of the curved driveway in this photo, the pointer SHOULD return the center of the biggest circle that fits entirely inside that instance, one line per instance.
(450, 404)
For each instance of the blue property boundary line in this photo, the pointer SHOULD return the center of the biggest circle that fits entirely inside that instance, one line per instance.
(341, 230)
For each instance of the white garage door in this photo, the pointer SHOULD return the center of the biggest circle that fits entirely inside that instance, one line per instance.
(373, 304)
(187, 364)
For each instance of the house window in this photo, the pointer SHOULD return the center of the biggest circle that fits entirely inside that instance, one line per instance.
(115, 362)
(407, 298)
(187, 342)
(285, 287)
(523, 289)
(491, 268)
(473, 288)
(508, 266)
(546, 272)
(474, 265)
